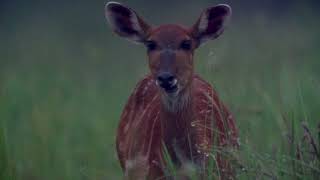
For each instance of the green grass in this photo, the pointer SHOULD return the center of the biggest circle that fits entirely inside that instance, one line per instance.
(285, 147)
(62, 90)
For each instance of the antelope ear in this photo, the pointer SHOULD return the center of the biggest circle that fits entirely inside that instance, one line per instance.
(125, 22)
(211, 23)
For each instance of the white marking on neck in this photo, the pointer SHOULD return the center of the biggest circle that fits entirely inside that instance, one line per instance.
(176, 101)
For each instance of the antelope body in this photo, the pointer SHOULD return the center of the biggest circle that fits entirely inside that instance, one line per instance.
(172, 108)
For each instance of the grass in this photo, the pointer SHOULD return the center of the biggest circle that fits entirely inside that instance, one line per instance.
(62, 91)
(293, 152)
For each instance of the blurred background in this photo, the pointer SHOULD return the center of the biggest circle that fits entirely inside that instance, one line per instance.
(65, 77)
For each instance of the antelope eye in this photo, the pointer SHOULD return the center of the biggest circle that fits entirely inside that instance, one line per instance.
(186, 45)
(151, 45)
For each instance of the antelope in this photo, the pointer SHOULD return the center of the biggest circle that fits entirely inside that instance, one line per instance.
(172, 109)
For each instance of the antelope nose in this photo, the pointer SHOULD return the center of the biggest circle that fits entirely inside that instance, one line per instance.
(167, 81)
(165, 78)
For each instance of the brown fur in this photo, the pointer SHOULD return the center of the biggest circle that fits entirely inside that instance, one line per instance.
(145, 124)
(186, 123)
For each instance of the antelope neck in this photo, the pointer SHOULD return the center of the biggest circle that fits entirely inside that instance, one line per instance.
(177, 104)
(176, 116)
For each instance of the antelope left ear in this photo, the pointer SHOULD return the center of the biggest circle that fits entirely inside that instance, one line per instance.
(211, 23)
(126, 22)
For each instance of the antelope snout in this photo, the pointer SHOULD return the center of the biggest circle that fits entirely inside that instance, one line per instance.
(167, 81)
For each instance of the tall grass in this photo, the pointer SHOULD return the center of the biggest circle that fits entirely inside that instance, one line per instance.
(64, 81)
(293, 155)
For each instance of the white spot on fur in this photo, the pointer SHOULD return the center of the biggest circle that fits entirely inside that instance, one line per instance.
(126, 128)
(122, 146)
(175, 81)
(137, 168)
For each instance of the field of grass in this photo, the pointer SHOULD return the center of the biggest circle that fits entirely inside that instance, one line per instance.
(64, 82)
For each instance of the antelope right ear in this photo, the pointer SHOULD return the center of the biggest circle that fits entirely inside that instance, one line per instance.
(125, 22)
(211, 23)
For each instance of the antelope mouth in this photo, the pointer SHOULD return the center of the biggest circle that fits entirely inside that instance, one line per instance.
(169, 88)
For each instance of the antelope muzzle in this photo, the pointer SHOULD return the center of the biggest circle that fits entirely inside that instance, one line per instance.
(168, 82)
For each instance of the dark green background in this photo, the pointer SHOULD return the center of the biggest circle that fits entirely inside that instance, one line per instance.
(65, 77)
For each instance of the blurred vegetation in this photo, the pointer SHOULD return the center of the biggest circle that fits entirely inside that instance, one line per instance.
(65, 77)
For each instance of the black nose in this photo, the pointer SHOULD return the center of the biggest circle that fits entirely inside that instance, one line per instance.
(165, 77)
(167, 81)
